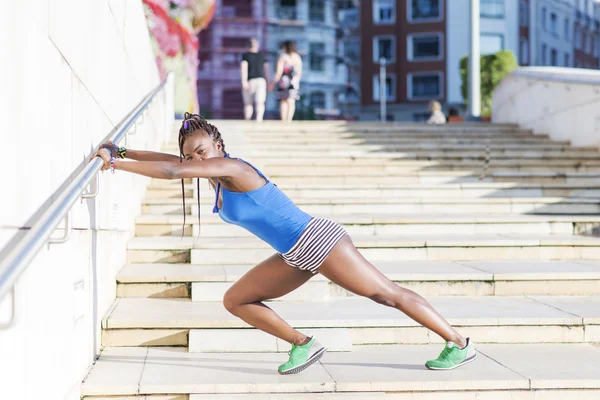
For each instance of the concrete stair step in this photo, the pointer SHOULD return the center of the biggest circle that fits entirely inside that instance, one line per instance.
(324, 206)
(398, 139)
(591, 179)
(208, 327)
(524, 372)
(393, 224)
(416, 145)
(376, 191)
(258, 154)
(508, 278)
(407, 206)
(395, 163)
(450, 247)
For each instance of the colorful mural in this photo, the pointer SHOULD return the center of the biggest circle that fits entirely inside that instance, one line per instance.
(174, 26)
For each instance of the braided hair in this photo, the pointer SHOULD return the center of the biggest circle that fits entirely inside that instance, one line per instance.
(191, 124)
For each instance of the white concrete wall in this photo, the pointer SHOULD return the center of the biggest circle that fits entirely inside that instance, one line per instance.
(70, 71)
(561, 102)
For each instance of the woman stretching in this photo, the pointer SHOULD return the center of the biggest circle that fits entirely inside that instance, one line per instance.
(305, 245)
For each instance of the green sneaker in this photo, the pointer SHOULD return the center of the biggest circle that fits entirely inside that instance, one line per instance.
(302, 357)
(452, 356)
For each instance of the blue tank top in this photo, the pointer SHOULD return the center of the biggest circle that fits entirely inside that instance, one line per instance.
(266, 212)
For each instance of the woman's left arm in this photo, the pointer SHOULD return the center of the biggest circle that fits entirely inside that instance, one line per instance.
(211, 168)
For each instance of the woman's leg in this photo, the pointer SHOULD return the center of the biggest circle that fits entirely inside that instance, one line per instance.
(270, 279)
(346, 267)
(283, 109)
(291, 108)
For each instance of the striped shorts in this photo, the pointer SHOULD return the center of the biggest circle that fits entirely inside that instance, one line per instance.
(314, 245)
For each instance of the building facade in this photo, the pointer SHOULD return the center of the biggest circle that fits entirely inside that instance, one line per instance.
(424, 40)
(586, 34)
(499, 30)
(313, 24)
(411, 37)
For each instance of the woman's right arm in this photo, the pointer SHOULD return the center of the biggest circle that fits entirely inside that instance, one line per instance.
(140, 155)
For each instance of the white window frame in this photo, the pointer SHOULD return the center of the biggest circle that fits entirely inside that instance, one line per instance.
(376, 93)
(524, 50)
(544, 17)
(554, 29)
(544, 52)
(409, 46)
(376, 19)
(409, 85)
(324, 98)
(376, 56)
(523, 13)
(424, 21)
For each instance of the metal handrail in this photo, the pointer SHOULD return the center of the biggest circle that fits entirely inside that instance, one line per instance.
(18, 258)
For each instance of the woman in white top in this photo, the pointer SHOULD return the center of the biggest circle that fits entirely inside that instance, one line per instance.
(287, 80)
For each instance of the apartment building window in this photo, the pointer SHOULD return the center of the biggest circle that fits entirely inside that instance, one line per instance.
(390, 87)
(524, 51)
(424, 10)
(287, 10)
(543, 16)
(523, 13)
(491, 8)
(544, 57)
(384, 47)
(384, 11)
(352, 50)
(584, 41)
(595, 50)
(567, 60)
(236, 8)
(316, 56)
(425, 47)
(490, 43)
(577, 37)
(567, 29)
(317, 100)
(316, 10)
(554, 57)
(234, 42)
(424, 85)
(554, 24)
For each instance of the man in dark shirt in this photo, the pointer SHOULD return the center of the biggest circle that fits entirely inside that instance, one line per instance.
(254, 71)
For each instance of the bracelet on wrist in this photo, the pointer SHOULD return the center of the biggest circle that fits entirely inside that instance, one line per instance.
(121, 152)
(112, 164)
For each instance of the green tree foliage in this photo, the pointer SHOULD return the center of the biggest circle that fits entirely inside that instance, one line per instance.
(494, 67)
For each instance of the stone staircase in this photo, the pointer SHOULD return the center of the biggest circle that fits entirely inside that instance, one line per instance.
(508, 252)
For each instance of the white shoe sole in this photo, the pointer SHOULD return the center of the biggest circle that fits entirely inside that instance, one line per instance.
(313, 359)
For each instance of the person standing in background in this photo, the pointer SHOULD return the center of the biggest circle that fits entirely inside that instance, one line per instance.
(286, 81)
(254, 71)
